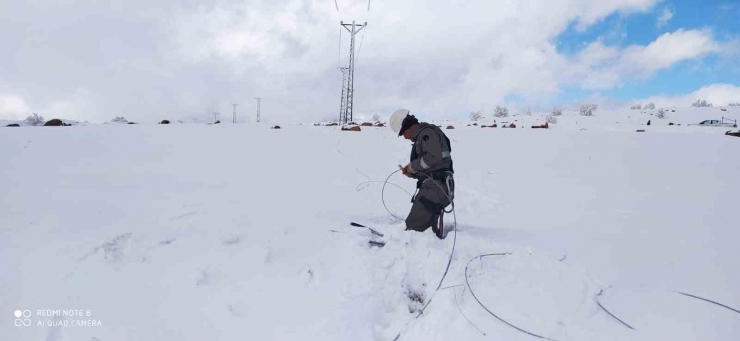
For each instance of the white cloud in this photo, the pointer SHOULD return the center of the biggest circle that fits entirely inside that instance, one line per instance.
(13, 107)
(434, 56)
(665, 16)
(596, 10)
(438, 58)
(76, 107)
(669, 49)
(602, 67)
(729, 7)
(717, 94)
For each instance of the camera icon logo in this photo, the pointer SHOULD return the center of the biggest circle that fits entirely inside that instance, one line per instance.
(22, 318)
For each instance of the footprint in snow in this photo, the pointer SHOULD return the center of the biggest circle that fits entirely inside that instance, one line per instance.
(184, 215)
(232, 241)
(416, 300)
(204, 278)
(238, 309)
(54, 332)
(167, 242)
(113, 250)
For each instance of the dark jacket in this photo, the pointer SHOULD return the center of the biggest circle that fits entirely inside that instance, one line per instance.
(431, 150)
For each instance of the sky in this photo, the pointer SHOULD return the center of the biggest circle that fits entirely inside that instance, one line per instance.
(93, 60)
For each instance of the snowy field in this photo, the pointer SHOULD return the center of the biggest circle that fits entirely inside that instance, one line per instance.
(240, 232)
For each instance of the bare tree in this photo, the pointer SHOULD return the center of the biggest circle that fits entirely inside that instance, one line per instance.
(700, 103)
(588, 109)
(34, 120)
(376, 117)
(529, 112)
(650, 106)
(119, 119)
(500, 111)
(736, 104)
(556, 112)
(475, 115)
(637, 106)
(552, 119)
(661, 113)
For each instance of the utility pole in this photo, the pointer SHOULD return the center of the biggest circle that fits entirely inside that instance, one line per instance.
(259, 99)
(234, 120)
(355, 28)
(342, 107)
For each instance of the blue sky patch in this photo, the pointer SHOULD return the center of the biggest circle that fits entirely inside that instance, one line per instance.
(620, 30)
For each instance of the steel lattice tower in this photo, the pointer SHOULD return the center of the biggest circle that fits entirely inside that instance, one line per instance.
(259, 99)
(353, 29)
(342, 103)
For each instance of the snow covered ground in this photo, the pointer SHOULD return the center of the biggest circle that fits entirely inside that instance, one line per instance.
(240, 232)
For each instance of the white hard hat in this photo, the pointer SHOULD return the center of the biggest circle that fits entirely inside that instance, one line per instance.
(397, 119)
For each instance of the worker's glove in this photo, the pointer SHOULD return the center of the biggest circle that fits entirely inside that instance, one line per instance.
(408, 171)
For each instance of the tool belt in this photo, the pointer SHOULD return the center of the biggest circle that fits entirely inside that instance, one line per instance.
(440, 174)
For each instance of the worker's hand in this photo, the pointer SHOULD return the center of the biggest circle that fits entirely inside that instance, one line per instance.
(407, 171)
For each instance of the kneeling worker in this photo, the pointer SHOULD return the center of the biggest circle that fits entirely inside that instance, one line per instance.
(431, 166)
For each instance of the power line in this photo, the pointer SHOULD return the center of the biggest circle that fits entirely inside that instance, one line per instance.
(467, 282)
(361, 40)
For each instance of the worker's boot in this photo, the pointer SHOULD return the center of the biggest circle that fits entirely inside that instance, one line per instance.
(439, 227)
